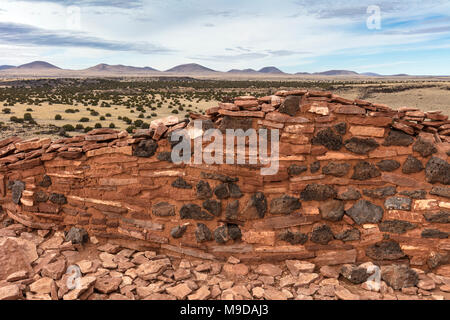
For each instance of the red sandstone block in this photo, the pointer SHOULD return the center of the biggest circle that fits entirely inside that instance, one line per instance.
(31, 144)
(110, 150)
(8, 141)
(367, 131)
(48, 208)
(246, 103)
(159, 131)
(405, 128)
(271, 124)
(228, 106)
(341, 100)
(251, 114)
(349, 109)
(280, 117)
(212, 111)
(101, 137)
(313, 93)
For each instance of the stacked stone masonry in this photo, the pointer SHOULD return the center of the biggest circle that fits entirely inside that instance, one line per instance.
(357, 182)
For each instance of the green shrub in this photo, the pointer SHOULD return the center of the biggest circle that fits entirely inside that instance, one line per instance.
(112, 125)
(79, 127)
(130, 129)
(58, 117)
(84, 119)
(98, 125)
(87, 129)
(68, 127)
(6, 110)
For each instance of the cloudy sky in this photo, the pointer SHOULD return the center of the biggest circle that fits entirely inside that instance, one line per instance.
(383, 36)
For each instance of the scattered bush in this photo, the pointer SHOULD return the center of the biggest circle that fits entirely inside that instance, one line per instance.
(58, 117)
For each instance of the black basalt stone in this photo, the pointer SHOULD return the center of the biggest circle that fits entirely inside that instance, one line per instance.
(388, 165)
(332, 210)
(318, 192)
(46, 181)
(364, 170)
(424, 147)
(145, 149)
(284, 205)
(398, 203)
(295, 170)
(256, 207)
(398, 138)
(203, 190)
(399, 276)
(221, 235)
(440, 191)
(76, 235)
(232, 210)
(180, 183)
(164, 156)
(322, 234)
(227, 190)
(434, 234)
(329, 139)
(349, 235)
(178, 231)
(385, 250)
(336, 169)
(213, 206)
(438, 217)
(396, 226)
(218, 176)
(364, 212)
(293, 238)
(361, 145)
(235, 123)
(17, 188)
(290, 105)
(40, 196)
(193, 211)
(380, 193)
(412, 165)
(163, 209)
(350, 194)
(437, 171)
(234, 232)
(314, 167)
(202, 233)
(341, 128)
(354, 274)
(414, 194)
(58, 198)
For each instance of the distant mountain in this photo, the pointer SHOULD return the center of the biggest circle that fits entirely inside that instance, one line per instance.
(271, 70)
(190, 68)
(400, 75)
(103, 67)
(337, 73)
(38, 65)
(303, 73)
(4, 67)
(243, 71)
(371, 74)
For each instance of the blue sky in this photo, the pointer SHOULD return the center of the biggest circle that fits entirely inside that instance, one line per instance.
(295, 35)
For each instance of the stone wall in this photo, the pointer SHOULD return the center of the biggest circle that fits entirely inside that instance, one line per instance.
(357, 182)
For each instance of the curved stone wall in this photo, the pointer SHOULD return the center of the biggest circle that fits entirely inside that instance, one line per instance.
(357, 181)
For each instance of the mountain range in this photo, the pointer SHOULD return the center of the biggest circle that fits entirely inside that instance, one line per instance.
(43, 67)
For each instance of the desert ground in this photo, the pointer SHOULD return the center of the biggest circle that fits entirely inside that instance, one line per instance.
(64, 107)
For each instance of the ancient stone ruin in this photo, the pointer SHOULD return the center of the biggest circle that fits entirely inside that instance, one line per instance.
(357, 182)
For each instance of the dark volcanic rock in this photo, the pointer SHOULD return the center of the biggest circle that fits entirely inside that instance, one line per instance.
(193, 211)
(424, 147)
(396, 226)
(441, 192)
(438, 217)
(180, 183)
(234, 232)
(226, 190)
(322, 234)
(235, 123)
(354, 274)
(385, 250)
(145, 148)
(178, 231)
(293, 237)
(388, 165)
(76, 235)
(58, 198)
(227, 232)
(164, 156)
(364, 170)
(46, 181)
(17, 188)
(350, 194)
(290, 105)
(380, 193)
(364, 211)
(415, 194)
(40, 196)
(319, 192)
(284, 205)
(202, 233)
(398, 203)
(221, 235)
(256, 207)
(437, 170)
(329, 139)
(437, 259)
(399, 276)
(361, 145)
(341, 128)
(398, 138)
(203, 190)
(434, 233)
(314, 167)
(332, 210)
(349, 235)
(213, 206)
(412, 165)
(232, 210)
(336, 169)
(163, 209)
(295, 170)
